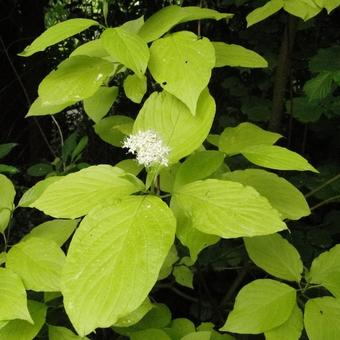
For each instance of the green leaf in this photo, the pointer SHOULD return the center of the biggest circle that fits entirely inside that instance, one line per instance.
(5, 149)
(39, 273)
(189, 236)
(234, 140)
(291, 329)
(58, 231)
(97, 106)
(127, 48)
(185, 54)
(227, 209)
(276, 256)
(163, 20)
(23, 330)
(325, 60)
(168, 264)
(38, 108)
(40, 169)
(306, 111)
(77, 193)
(93, 48)
(261, 13)
(261, 306)
(276, 157)
(183, 276)
(142, 230)
(62, 333)
(133, 26)
(114, 129)
(13, 297)
(130, 165)
(204, 335)
(32, 194)
(237, 56)
(76, 78)
(325, 270)
(198, 165)
(301, 8)
(322, 318)
(57, 33)
(136, 316)
(2, 258)
(135, 87)
(171, 119)
(282, 195)
(8, 169)
(76, 153)
(151, 333)
(180, 327)
(7, 194)
(319, 87)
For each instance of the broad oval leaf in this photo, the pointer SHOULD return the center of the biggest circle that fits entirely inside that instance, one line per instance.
(199, 165)
(98, 105)
(291, 329)
(227, 209)
(325, 270)
(319, 87)
(56, 230)
(127, 48)
(234, 140)
(151, 333)
(38, 109)
(186, 54)
(13, 297)
(203, 335)
(134, 237)
(264, 12)
(172, 120)
(301, 8)
(135, 87)
(76, 78)
(114, 129)
(163, 20)
(281, 194)
(6, 148)
(62, 333)
(189, 236)
(76, 194)
(93, 48)
(39, 273)
(276, 256)
(57, 33)
(36, 191)
(322, 318)
(237, 56)
(276, 157)
(7, 194)
(24, 330)
(183, 276)
(260, 306)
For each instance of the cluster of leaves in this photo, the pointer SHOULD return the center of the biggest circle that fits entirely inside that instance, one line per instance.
(124, 228)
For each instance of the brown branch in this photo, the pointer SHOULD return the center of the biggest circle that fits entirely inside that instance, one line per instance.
(282, 73)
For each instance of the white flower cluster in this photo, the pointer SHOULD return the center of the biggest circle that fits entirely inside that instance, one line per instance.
(148, 148)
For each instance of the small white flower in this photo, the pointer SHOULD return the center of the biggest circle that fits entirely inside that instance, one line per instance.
(148, 148)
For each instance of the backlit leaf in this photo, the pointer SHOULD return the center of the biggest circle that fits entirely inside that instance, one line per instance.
(185, 54)
(134, 237)
(227, 209)
(261, 306)
(77, 193)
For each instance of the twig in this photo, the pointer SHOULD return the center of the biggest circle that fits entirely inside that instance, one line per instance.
(329, 200)
(28, 100)
(333, 179)
(235, 285)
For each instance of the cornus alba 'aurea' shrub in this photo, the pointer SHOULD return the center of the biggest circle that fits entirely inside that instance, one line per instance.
(123, 230)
